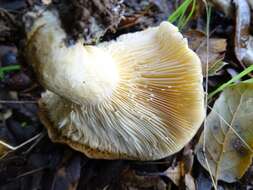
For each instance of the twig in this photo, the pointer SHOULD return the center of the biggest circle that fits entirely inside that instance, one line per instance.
(208, 13)
(18, 102)
(13, 148)
(29, 173)
(34, 144)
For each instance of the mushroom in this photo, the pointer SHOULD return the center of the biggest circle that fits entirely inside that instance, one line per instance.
(138, 97)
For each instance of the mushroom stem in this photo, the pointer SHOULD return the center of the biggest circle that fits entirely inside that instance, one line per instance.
(82, 74)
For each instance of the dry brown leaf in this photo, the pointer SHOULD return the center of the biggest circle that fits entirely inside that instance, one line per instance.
(132, 180)
(3, 150)
(189, 182)
(188, 158)
(174, 174)
(178, 172)
(248, 58)
(242, 28)
(217, 48)
(243, 41)
(227, 155)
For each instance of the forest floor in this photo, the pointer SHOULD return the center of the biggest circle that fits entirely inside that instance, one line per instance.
(222, 38)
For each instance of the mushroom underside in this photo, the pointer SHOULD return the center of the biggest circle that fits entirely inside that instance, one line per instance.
(139, 97)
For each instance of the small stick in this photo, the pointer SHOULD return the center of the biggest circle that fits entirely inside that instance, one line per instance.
(18, 102)
(13, 148)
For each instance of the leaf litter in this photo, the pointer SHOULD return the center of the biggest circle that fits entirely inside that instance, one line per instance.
(50, 166)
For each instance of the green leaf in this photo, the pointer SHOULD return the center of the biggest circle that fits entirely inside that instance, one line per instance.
(229, 134)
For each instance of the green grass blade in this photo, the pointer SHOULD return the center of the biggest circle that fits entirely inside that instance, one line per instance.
(190, 14)
(234, 79)
(179, 11)
(8, 69)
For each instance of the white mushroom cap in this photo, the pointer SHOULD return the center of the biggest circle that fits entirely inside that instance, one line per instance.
(138, 97)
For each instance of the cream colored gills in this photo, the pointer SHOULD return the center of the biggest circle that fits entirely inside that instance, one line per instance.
(84, 74)
(139, 97)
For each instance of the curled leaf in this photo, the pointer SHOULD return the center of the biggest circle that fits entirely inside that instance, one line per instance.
(248, 58)
(242, 28)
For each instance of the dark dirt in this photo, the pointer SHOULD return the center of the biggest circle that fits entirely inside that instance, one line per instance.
(42, 164)
(91, 19)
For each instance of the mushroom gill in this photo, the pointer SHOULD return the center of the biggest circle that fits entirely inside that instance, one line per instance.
(139, 97)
